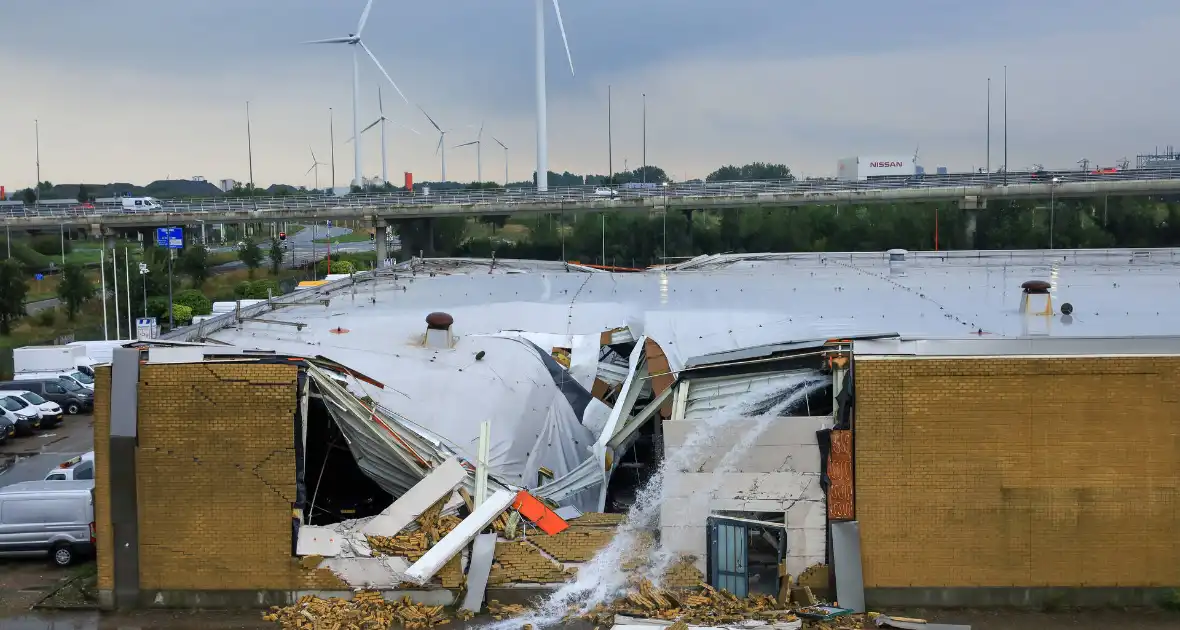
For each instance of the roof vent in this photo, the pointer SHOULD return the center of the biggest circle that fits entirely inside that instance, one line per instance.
(897, 262)
(438, 330)
(1035, 298)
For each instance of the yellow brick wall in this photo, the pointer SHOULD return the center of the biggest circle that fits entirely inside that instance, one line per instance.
(104, 536)
(1018, 471)
(215, 477)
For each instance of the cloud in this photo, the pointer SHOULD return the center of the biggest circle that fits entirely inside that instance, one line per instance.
(138, 91)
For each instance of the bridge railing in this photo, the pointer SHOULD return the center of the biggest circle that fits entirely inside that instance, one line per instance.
(512, 196)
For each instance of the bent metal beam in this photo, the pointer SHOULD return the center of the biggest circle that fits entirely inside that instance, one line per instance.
(395, 208)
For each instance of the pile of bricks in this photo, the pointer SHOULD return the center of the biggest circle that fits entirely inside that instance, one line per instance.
(521, 562)
(576, 544)
(366, 609)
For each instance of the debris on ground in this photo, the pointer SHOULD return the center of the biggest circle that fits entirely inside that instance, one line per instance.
(366, 609)
(708, 606)
(500, 612)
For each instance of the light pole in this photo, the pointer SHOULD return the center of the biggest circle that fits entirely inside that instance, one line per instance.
(1052, 208)
(62, 229)
(665, 250)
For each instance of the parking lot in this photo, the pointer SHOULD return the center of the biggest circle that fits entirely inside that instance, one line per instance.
(31, 458)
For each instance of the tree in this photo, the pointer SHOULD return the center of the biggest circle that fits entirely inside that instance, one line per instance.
(752, 171)
(194, 263)
(250, 255)
(275, 253)
(83, 193)
(74, 289)
(182, 315)
(30, 196)
(12, 294)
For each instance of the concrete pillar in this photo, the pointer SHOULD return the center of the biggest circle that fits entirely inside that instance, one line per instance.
(124, 511)
(379, 232)
(428, 231)
(971, 206)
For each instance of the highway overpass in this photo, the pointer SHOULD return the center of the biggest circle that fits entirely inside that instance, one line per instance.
(970, 193)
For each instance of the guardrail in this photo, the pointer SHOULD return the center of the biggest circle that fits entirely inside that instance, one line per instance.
(513, 196)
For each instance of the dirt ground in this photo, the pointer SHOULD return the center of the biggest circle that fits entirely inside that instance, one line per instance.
(24, 582)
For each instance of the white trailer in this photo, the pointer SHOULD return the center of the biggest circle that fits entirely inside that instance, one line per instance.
(861, 168)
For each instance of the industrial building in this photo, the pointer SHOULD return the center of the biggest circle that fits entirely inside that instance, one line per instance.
(999, 426)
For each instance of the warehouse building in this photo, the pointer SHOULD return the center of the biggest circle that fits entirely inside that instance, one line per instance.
(995, 423)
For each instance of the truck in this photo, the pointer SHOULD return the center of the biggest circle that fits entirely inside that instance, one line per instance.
(40, 359)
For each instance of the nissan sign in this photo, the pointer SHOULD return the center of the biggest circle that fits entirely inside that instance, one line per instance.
(886, 165)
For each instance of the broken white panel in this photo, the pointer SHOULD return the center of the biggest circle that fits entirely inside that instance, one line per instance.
(318, 541)
(568, 512)
(583, 351)
(637, 371)
(379, 572)
(439, 483)
(464, 532)
(482, 554)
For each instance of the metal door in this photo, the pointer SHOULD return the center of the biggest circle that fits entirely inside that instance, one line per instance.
(728, 556)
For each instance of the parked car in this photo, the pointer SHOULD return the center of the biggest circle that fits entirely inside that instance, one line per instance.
(77, 467)
(27, 418)
(78, 377)
(69, 395)
(50, 411)
(48, 517)
(7, 427)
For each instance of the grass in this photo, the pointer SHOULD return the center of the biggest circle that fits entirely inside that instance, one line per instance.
(221, 286)
(220, 258)
(357, 236)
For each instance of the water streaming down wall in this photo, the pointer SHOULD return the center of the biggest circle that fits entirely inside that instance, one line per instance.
(602, 579)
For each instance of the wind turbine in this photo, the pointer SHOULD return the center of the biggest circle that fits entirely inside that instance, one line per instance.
(354, 40)
(382, 119)
(478, 142)
(542, 115)
(315, 166)
(505, 160)
(442, 147)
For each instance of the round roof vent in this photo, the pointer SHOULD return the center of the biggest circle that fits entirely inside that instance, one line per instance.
(1036, 286)
(439, 321)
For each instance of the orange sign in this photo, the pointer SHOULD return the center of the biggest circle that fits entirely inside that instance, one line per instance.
(840, 492)
(536, 512)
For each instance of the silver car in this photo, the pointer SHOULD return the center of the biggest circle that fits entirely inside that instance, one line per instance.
(48, 517)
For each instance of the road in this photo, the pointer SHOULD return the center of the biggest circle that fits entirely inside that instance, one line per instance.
(302, 248)
(40, 453)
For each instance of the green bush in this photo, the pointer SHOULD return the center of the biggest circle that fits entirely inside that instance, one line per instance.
(182, 315)
(31, 260)
(158, 307)
(195, 300)
(47, 317)
(49, 245)
(257, 289)
(338, 266)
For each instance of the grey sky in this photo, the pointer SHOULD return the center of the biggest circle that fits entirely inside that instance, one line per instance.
(132, 90)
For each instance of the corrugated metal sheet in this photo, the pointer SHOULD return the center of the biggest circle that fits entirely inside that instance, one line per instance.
(707, 396)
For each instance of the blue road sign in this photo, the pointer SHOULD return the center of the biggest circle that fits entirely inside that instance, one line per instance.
(170, 237)
(39, 277)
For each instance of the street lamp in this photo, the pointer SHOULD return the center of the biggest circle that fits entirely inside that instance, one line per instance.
(665, 250)
(1052, 207)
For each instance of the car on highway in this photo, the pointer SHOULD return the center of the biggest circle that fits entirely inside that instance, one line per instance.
(28, 418)
(68, 394)
(605, 192)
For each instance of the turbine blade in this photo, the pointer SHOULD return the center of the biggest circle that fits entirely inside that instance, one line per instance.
(375, 123)
(312, 168)
(480, 135)
(312, 152)
(499, 143)
(330, 40)
(349, 140)
(380, 105)
(564, 40)
(405, 126)
(360, 26)
(382, 69)
(465, 144)
(430, 119)
(439, 147)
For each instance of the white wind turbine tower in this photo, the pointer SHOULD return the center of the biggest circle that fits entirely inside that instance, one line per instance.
(505, 159)
(478, 142)
(381, 119)
(354, 40)
(442, 147)
(542, 115)
(315, 166)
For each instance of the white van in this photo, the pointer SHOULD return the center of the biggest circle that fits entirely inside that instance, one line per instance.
(47, 517)
(78, 377)
(141, 204)
(50, 411)
(77, 467)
